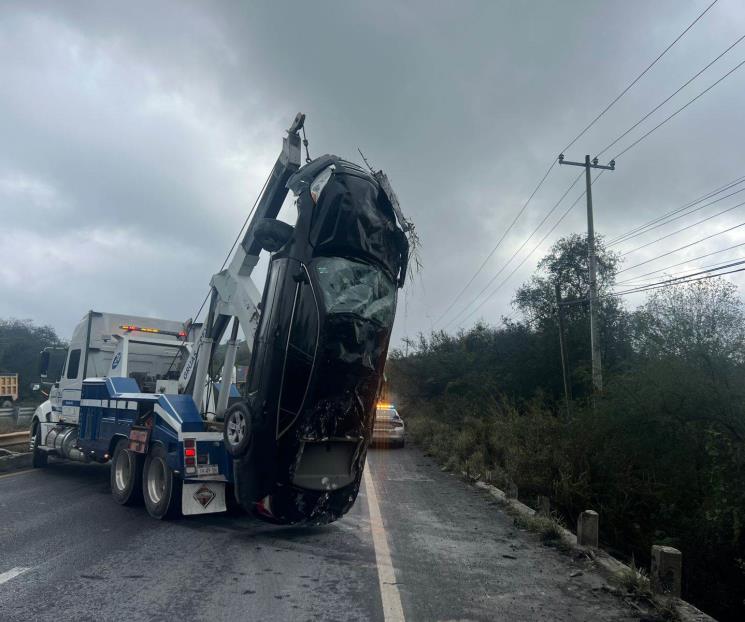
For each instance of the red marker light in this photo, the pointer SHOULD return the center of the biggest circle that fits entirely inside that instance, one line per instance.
(190, 452)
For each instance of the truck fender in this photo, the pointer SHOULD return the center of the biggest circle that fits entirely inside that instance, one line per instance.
(43, 412)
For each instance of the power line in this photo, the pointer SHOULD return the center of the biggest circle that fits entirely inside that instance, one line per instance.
(638, 282)
(679, 110)
(703, 220)
(698, 222)
(496, 246)
(680, 263)
(680, 248)
(632, 233)
(522, 246)
(681, 280)
(235, 242)
(635, 80)
(535, 248)
(668, 98)
(574, 140)
(667, 222)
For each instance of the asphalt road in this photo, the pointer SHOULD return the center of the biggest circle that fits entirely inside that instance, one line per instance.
(444, 551)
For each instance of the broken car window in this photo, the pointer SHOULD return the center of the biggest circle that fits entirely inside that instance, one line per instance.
(355, 287)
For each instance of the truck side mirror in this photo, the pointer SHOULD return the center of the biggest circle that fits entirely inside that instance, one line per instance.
(44, 364)
(273, 234)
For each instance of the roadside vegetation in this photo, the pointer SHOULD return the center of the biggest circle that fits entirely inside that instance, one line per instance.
(21, 341)
(660, 455)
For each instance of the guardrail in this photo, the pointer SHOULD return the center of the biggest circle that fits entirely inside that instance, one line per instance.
(13, 438)
(17, 414)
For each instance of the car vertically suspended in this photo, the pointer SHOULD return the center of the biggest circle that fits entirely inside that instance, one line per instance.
(301, 434)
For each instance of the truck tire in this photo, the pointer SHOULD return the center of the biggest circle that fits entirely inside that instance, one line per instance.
(161, 489)
(237, 429)
(7, 404)
(126, 474)
(38, 457)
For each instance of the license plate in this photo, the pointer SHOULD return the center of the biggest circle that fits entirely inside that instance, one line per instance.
(207, 469)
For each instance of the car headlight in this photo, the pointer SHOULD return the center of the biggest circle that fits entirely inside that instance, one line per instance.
(319, 183)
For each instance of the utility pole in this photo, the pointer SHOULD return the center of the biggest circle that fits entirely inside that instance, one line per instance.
(597, 370)
(562, 348)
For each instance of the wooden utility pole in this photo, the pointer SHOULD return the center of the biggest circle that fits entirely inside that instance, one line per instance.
(562, 348)
(597, 370)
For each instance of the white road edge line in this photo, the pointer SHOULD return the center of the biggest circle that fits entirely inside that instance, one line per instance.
(12, 573)
(392, 610)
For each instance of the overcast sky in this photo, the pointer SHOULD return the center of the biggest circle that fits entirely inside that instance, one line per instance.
(135, 136)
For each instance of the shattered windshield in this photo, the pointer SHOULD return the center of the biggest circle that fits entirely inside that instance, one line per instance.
(355, 287)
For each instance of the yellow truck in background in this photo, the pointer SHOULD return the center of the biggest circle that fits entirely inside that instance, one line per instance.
(8, 390)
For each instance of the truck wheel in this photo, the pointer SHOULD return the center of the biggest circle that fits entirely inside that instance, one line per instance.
(161, 489)
(38, 457)
(126, 474)
(7, 404)
(237, 430)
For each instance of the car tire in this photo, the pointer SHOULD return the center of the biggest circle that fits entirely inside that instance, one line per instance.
(38, 457)
(126, 474)
(237, 429)
(273, 234)
(161, 489)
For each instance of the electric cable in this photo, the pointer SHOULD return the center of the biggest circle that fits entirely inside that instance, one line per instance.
(635, 80)
(669, 97)
(632, 232)
(572, 142)
(535, 248)
(698, 222)
(679, 110)
(680, 248)
(681, 263)
(497, 245)
(522, 246)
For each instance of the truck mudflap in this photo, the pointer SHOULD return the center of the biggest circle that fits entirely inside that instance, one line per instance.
(202, 498)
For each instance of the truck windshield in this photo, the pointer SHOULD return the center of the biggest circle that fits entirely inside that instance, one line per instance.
(355, 287)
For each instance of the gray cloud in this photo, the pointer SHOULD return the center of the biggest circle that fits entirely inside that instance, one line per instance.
(135, 137)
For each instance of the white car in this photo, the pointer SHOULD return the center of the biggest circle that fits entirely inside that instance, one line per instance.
(388, 428)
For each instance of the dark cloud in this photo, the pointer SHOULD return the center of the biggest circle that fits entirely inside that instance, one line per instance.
(135, 136)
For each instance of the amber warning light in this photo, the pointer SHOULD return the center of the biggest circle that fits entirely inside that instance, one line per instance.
(145, 329)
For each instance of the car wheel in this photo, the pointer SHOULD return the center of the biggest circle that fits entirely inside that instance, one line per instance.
(126, 474)
(273, 234)
(161, 489)
(237, 430)
(38, 457)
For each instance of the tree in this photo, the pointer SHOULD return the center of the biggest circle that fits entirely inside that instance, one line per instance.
(700, 322)
(20, 344)
(567, 264)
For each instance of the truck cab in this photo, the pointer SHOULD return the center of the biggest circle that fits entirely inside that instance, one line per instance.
(151, 351)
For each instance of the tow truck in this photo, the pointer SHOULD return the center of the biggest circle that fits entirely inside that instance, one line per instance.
(144, 394)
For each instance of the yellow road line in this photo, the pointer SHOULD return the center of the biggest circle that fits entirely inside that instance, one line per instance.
(392, 610)
(17, 473)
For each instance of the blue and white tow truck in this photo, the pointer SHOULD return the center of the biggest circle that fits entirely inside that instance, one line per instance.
(118, 399)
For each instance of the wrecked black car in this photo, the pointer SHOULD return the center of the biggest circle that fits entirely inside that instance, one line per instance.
(299, 436)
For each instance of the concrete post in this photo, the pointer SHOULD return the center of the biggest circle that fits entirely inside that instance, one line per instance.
(587, 528)
(544, 506)
(666, 570)
(511, 490)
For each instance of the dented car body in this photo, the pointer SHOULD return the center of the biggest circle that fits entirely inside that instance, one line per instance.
(319, 350)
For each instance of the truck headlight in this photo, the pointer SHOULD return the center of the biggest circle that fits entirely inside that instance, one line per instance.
(319, 183)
